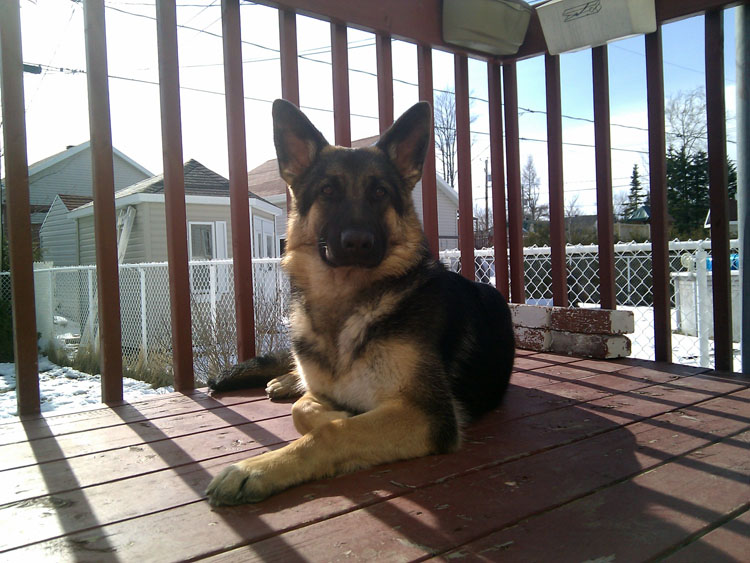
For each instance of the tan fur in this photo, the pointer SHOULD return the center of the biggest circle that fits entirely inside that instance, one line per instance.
(392, 431)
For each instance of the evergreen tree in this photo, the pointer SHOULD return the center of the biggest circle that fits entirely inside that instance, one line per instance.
(637, 196)
(687, 190)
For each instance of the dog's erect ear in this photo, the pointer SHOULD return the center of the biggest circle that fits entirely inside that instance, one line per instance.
(406, 142)
(297, 141)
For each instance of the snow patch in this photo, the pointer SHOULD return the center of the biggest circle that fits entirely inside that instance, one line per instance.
(64, 389)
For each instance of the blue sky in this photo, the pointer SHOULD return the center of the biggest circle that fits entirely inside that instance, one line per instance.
(57, 111)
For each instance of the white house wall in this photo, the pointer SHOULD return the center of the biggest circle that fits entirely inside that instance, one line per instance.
(58, 237)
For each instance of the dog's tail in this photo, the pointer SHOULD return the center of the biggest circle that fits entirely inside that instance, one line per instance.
(252, 374)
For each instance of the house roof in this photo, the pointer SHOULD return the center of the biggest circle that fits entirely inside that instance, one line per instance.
(199, 181)
(265, 180)
(640, 215)
(73, 201)
(74, 150)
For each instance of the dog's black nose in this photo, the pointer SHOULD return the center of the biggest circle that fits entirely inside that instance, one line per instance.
(357, 243)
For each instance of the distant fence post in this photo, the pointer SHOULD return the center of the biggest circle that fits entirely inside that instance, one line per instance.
(212, 292)
(704, 315)
(92, 305)
(144, 319)
(52, 281)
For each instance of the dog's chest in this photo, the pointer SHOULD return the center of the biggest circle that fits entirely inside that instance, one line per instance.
(347, 358)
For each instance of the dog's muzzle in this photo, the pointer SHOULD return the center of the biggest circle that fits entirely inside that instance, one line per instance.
(352, 247)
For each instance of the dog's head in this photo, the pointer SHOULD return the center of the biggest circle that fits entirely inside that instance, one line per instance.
(350, 200)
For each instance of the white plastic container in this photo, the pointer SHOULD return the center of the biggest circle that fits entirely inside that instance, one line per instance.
(569, 25)
(497, 27)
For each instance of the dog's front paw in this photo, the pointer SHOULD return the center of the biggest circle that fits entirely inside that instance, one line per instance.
(285, 386)
(238, 484)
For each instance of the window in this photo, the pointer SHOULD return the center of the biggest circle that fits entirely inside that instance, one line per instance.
(206, 241)
(201, 241)
(264, 241)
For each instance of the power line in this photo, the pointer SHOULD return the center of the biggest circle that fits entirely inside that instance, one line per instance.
(321, 50)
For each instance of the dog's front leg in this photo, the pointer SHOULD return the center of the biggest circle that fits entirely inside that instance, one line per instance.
(393, 431)
(309, 412)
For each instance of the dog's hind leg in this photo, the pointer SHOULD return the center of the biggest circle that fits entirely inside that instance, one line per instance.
(276, 372)
(287, 386)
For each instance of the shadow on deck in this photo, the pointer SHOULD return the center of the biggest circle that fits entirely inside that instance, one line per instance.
(585, 460)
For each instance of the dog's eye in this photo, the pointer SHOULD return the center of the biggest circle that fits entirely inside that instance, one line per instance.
(379, 192)
(328, 190)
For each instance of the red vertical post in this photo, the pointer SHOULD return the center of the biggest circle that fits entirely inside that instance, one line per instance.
(238, 190)
(718, 194)
(288, 58)
(429, 173)
(384, 59)
(174, 195)
(107, 272)
(463, 160)
(515, 209)
(497, 162)
(289, 66)
(604, 211)
(18, 211)
(340, 60)
(556, 195)
(657, 162)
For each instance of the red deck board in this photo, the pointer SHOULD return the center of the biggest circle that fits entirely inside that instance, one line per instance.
(36, 427)
(564, 436)
(730, 542)
(634, 520)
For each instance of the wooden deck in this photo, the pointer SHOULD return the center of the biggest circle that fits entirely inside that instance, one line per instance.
(585, 460)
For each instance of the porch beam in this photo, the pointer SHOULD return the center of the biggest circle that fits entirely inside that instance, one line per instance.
(105, 230)
(513, 167)
(497, 164)
(463, 165)
(420, 21)
(718, 193)
(238, 189)
(17, 212)
(288, 56)
(174, 195)
(340, 72)
(603, 157)
(429, 172)
(384, 61)
(657, 162)
(556, 195)
(289, 66)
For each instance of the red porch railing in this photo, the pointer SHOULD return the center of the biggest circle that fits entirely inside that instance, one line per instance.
(417, 22)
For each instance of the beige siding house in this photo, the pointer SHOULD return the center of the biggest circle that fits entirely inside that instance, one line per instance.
(141, 220)
(266, 182)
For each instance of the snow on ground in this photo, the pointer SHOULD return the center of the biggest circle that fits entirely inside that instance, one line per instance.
(685, 348)
(64, 389)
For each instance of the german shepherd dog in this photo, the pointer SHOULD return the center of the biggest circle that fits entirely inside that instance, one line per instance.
(391, 353)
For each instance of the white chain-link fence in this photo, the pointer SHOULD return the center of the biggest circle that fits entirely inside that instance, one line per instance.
(690, 290)
(67, 321)
(66, 304)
